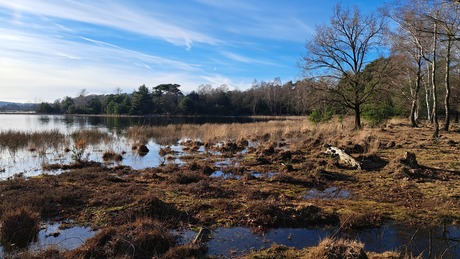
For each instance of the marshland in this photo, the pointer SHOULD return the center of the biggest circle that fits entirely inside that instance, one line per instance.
(264, 189)
(358, 157)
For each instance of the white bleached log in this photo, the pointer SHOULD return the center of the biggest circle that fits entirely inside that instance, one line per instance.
(344, 157)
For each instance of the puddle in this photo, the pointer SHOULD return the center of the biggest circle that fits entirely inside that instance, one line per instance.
(226, 163)
(220, 174)
(229, 242)
(328, 193)
(441, 241)
(237, 241)
(63, 239)
(266, 175)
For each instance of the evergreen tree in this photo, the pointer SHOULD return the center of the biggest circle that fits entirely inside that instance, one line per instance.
(141, 101)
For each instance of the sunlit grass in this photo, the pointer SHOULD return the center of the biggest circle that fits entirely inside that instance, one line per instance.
(276, 129)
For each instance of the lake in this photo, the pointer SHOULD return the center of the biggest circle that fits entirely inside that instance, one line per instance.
(69, 123)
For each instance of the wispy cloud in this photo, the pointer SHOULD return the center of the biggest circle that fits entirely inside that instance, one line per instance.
(218, 80)
(231, 5)
(245, 59)
(30, 62)
(277, 20)
(53, 48)
(113, 14)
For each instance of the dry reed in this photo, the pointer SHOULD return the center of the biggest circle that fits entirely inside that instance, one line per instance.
(19, 227)
(338, 248)
(276, 130)
(92, 136)
(15, 140)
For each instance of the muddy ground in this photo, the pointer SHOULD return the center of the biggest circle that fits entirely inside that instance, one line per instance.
(269, 183)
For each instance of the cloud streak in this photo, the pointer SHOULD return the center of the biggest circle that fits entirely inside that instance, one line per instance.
(112, 14)
(53, 48)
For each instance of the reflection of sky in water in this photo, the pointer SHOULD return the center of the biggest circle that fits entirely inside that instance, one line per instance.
(30, 163)
(239, 240)
(328, 193)
(69, 123)
(235, 241)
(220, 174)
(67, 239)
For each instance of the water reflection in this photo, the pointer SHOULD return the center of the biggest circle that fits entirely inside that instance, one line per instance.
(64, 239)
(31, 161)
(72, 122)
(67, 123)
(436, 242)
(328, 193)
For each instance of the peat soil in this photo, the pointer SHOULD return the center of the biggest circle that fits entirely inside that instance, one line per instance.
(284, 182)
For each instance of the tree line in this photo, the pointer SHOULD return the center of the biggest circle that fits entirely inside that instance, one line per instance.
(263, 98)
(401, 60)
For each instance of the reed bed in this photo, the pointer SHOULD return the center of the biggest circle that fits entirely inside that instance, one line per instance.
(273, 130)
(91, 136)
(15, 140)
(214, 132)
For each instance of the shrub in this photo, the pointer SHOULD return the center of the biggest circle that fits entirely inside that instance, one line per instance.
(318, 116)
(19, 227)
(315, 116)
(376, 114)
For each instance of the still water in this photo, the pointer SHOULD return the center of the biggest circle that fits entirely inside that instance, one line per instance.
(29, 163)
(435, 242)
(70, 123)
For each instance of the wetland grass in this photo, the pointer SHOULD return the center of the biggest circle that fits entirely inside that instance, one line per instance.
(18, 228)
(144, 238)
(13, 140)
(109, 156)
(218, 132)
(181, 196)
(91, 136)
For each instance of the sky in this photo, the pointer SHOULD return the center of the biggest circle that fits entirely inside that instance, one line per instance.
(50, 49)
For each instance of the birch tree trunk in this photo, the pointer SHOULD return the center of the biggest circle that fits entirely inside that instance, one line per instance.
(414, 106)
(428, 97)
(447, 84)
(433, 81)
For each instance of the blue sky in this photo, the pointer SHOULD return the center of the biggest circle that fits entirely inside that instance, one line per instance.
(55, 48)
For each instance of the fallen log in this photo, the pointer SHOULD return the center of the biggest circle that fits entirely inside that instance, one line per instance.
(343, 156)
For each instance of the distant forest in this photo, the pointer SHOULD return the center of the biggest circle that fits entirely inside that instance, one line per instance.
(264, 98)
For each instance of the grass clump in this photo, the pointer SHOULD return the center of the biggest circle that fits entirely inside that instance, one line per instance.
(144, 238)
(187, 177)
(14, 140)
(112, 156)
(331, 248)
(19, 227)
(92, 136)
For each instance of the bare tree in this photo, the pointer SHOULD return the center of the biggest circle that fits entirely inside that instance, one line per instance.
(450, 23)
(339, 51)
(434, 66)
(409, 39)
